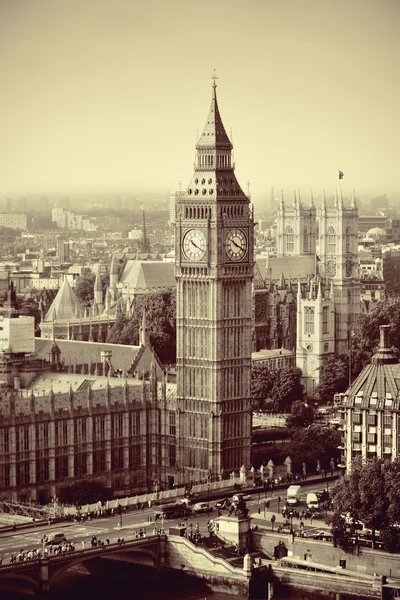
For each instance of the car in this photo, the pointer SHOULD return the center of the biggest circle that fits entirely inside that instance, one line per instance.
(57, 538)
(201, 507)
(323, 535)
(247, 497)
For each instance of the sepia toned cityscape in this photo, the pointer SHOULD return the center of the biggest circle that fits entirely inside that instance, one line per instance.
(199, 300)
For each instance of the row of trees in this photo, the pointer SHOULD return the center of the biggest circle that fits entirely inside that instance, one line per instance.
(368, 494)
(275, 391)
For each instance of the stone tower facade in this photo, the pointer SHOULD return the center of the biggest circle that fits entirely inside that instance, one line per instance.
(338, 254)
(214, 271)
(296, 228)
(315, 332)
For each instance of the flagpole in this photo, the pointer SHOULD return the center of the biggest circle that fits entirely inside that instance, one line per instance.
(350, 345)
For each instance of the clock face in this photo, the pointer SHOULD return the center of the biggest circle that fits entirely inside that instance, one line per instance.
(349, 267)
(195, 244)
(236, 244)
(331, 268)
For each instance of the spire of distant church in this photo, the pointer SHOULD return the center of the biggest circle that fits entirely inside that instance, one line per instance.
(145, 240)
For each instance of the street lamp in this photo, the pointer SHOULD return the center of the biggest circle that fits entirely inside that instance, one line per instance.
(208, 501)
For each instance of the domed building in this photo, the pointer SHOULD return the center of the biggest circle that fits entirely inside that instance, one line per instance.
(370, 408)
(377, 234)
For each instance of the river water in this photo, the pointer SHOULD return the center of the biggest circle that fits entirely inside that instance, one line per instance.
(78, 584)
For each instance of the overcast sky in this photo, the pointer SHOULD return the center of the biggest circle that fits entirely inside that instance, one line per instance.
(107, 95)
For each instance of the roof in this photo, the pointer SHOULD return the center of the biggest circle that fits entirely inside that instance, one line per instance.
(77, 352)
(214, 133)
(145, 275)
(293, 267)
(65, 305)
(268, 354)
(378, 385)
(61, 383)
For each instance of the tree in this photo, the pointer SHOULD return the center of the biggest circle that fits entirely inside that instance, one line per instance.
(84, 492)
(369, 494)
(312, 444)
(160, 310)
(301, 415)
(84, 287)
(262, 381)
(365, 341)
(274, 391)
(334, 378)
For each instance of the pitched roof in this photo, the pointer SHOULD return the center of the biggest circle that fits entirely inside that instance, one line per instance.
(81, 353)
(65, 305)
(295, 267)
(146, 275)
(214, 133)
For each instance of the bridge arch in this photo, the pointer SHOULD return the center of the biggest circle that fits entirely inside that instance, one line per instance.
(86, 557)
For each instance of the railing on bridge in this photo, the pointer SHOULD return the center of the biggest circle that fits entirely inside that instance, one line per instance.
(90, 552)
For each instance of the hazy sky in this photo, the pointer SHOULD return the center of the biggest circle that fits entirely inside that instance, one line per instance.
(107, 95)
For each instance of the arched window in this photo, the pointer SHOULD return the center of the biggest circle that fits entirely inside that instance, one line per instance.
(347, 240)
(305, 240)
(331, 241)
(289, 240)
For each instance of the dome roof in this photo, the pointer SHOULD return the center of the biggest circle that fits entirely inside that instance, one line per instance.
(376, 232)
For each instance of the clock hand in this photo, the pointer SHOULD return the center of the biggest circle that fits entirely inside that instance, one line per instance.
(195, 245)
(237, 245)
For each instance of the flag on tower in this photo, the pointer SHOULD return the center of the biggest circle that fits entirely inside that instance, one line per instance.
(341, 174)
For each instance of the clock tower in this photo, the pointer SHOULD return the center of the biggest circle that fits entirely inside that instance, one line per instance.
(214, 271)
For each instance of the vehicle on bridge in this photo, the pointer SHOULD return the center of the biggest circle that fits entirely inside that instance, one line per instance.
(201, 507)
(57, 538)
(172, 511)
(223, 504)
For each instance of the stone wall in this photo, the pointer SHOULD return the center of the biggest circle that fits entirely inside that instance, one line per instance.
(182, 555)
(366, 561)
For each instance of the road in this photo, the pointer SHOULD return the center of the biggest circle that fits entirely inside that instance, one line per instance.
(76, 532)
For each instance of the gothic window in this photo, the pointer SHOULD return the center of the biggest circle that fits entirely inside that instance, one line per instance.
(22, 435)
(172, 423)
(309, 320)
(117, 425)
(347, 240)
(42, 436)
(331, 241)
(172, 455)
(4, 441)
(99, 428)
(134, 418)
(289, 240)
(305, 240)
(325, 319)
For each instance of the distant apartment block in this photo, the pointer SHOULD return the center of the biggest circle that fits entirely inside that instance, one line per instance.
(14, 220)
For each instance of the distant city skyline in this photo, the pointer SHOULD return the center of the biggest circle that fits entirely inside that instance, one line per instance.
(104, 97)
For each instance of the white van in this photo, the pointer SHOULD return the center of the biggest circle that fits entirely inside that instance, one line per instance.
(312, 501)
(293, 494)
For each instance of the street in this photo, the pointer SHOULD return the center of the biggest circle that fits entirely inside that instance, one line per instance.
(108, 527)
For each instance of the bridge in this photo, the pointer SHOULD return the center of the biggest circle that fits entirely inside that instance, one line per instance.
(38, 573)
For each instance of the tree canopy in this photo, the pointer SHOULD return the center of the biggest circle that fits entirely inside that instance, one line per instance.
(84, 287)
(160, 310)
(365, 341)
(85, 492)
(274, 391)
(313, 444)
(334, 378)
(301, 415)
(369, 493)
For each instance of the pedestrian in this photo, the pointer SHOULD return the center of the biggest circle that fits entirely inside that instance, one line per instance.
(83, 544)
(273, 519)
